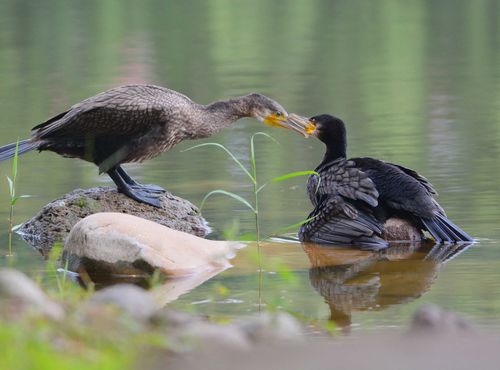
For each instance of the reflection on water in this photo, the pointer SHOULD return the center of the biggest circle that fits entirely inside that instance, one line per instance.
(352, 280)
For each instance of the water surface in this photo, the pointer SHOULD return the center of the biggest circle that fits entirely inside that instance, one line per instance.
(417, 83)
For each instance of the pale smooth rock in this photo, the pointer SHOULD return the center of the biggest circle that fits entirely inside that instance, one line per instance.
(124, 244)
(19, 290)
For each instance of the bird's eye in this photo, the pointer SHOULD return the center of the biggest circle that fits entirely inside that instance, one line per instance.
(278, 114)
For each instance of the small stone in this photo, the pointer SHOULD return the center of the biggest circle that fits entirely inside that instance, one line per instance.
(209, 337)
(19, 291)
(397, 229)
(117, 243)
(55, 220)
(433, 319)
(266, 326)
(134, 301)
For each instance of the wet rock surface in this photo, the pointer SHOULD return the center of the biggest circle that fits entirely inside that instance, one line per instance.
(55, 220)
(121, 244)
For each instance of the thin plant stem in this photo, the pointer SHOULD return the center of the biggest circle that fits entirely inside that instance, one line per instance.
(11, 214)
(256, 207)
(13, 199)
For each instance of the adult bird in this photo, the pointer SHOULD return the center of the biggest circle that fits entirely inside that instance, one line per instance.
(356, 196)
(133, 123)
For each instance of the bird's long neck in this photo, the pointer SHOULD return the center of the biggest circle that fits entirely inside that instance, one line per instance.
(218, 115)
(336, 147)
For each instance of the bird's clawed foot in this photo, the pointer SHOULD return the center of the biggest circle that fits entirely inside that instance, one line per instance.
(141, 195)
(150, 188)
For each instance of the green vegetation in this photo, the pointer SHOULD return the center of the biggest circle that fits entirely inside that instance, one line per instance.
(13, 197)
(252, 175)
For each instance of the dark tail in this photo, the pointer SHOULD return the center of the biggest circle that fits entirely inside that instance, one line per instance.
(445, 231)
(8, 151)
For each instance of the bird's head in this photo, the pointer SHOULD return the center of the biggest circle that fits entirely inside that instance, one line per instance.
(267, 110)
(325, 127)
(270, 112)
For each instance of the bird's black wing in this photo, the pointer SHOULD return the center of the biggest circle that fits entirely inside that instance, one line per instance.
(336, 221)
(343, 197)
(416, 176)
(342, 177)
(401, 189)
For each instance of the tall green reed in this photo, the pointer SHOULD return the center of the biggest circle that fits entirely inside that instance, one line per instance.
(13, 197)
(252, 175)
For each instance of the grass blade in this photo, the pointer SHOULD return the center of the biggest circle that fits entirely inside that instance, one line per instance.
(14, 161)
(229, 194)
(294, 174)
(228, 152)
(11, 187)
(294, 226)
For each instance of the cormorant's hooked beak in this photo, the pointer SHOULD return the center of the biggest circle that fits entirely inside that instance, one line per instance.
(301, 124)
(276, 120)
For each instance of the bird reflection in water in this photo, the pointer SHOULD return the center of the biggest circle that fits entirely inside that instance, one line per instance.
(354, 280)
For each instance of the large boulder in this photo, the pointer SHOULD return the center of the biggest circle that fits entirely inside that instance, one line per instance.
(55, 220)
(121, 244)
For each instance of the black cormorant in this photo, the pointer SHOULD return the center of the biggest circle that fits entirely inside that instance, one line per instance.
(356, 196)
(136, 122)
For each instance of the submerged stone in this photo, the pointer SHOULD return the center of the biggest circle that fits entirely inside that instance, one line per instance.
(121, 244)
(53, 223)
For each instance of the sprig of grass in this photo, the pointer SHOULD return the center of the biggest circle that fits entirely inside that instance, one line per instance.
(13, 198)
(252, 175)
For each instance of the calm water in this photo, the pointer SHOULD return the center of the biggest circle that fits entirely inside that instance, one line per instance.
(417, 83)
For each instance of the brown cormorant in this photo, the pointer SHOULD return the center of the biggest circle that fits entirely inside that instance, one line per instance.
(356, 196)
(136, 122)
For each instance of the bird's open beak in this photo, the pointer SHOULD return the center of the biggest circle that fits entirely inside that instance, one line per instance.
(301, 124)
(275, 120)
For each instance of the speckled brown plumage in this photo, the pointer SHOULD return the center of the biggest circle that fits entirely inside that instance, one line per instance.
(133, 123)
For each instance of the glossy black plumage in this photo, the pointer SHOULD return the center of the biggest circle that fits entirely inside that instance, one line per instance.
(355, 197)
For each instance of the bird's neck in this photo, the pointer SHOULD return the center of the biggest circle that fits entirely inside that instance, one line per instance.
(221, 114)
(335, 149)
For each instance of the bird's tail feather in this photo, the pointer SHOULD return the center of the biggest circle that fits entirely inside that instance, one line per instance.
(8, 151)
(445, 231)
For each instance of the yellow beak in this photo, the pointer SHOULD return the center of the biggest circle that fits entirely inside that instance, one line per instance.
(276, 121)
(301, 125)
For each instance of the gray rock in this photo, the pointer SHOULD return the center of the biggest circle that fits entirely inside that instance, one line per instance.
(432, 319)
(266, 326)
(19, 292)
(132, 300)
(208, 337)
(55, 220)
